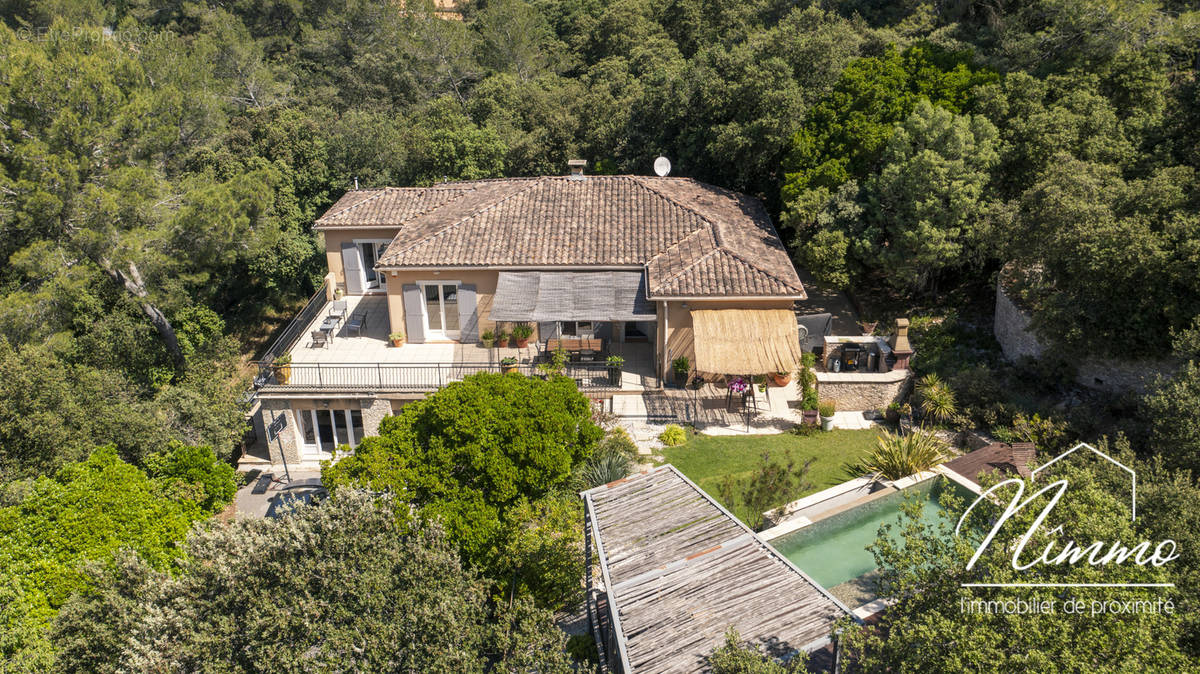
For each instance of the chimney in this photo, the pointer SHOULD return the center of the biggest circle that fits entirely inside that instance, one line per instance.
(577, 166)
(900, 345)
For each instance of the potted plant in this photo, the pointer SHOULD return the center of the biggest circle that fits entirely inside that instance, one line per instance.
(508, 364)
(781, 379)
(283, 368)
(892, 413)
(760, 381)
(827, 409)
(555, 366)
(501, 339)
(614, 369)
(397, 338)
(521, 332)
(808, 388)
(488, 338)
(680, 368)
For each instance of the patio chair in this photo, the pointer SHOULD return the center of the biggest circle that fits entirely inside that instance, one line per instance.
(320, 339)
(356, 322)
(338, 308)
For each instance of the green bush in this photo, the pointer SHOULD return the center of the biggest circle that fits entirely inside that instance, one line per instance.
(606, 466)
(673, 435)
(827, 408)
(898, 456)
(197, 468)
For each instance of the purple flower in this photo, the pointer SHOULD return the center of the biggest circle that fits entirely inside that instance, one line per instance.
(739, 385)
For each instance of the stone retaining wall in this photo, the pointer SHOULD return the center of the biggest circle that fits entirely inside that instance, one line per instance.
(1114, 376)
(867, 393)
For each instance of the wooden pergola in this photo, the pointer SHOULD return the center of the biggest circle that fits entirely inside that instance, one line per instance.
(677, 570)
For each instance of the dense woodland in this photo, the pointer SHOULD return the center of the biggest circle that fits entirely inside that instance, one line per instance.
(161, 164)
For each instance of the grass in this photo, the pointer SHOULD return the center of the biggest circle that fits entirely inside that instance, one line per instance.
(707, 459)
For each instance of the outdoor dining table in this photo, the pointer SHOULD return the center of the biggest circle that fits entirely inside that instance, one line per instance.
(329, 325)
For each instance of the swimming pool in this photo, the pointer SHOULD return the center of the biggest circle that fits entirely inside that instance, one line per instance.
(833, 550)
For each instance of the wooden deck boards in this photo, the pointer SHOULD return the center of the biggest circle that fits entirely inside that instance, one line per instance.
(683, 571)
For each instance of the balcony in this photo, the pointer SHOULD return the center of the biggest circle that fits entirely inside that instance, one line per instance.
(366, 362)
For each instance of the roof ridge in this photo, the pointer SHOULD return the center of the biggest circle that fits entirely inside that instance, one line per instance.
(678, 243)
(688, 267)
(639, 180)
(747, 262)
(443, 230)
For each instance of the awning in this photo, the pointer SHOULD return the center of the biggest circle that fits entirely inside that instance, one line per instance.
(531, 296)
(745, 341)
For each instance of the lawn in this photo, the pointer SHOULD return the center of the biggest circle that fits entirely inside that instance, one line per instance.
(707, 459)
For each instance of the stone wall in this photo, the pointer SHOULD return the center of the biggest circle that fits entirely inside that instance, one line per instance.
(1104, 374)
(283, 445)
(867, 393)
(1012, 329)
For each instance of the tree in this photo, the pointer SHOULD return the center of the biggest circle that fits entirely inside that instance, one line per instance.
(86, 512)
(346, 586)
(734, 657)
(486, 456)
(935, 626)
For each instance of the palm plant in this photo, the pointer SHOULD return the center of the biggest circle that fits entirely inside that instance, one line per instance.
(607, 465)
(937, 400)
(898, 456)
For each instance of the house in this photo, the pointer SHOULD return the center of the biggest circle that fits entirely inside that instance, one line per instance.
(647, 269)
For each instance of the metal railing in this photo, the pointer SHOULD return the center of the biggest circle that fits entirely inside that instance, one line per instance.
(415, 376)
(295, 329)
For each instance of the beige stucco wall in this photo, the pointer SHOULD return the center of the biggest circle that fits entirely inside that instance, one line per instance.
(485, 291)
(333, 246)
(680, 340)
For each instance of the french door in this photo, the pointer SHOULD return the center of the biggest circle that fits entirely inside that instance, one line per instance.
(441, 310)
(324, 430)
(370, 251)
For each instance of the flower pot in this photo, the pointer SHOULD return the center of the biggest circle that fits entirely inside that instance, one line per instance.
(508, 368)
(781, 380)
(892, 416)
(502, 343)
(487, 343)
(522, 342)
(283, 373)
(614, 376)
(809, 417)
(397, 342)
(827, 423)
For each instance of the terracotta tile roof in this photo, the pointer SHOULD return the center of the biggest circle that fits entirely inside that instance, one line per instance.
(694, 240)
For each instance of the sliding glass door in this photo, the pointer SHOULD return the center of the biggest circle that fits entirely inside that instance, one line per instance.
(323, 430)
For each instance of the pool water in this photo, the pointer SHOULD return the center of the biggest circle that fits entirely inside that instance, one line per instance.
(833, 550)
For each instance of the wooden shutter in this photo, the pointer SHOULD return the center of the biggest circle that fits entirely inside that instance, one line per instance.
(414, 316)
(352, 266)
(468, 314)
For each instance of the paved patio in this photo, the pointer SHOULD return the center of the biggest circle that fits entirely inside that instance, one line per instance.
(372, 347)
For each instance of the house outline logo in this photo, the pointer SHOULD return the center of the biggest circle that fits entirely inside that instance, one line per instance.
(1071, 553)
(1083, 445)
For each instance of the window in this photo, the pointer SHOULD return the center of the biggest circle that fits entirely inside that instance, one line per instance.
(576, 329)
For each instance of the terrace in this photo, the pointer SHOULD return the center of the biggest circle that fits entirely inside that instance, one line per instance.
(362, 359)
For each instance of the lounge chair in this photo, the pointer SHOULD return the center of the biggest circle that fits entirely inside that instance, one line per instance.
(356, 322)
(319, 339)
(338, 308)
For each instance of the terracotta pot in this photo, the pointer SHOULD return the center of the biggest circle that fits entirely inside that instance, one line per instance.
(781, 380)
(522, 342)
(508, 368)
(502, 343)
(397, 342)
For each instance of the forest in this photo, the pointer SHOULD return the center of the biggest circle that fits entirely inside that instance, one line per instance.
(162, 163)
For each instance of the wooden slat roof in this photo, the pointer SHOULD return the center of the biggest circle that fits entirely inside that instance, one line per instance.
(683, 571)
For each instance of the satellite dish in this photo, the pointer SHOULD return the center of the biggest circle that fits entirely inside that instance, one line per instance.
(662, 166)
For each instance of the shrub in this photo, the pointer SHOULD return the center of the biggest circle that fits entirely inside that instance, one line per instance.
(771, 484)
(827, 408)
(937, 400)
(608, 465)
(898, 456)
(808, 381)
(617, 439)
(673, 435)
(196, 467)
